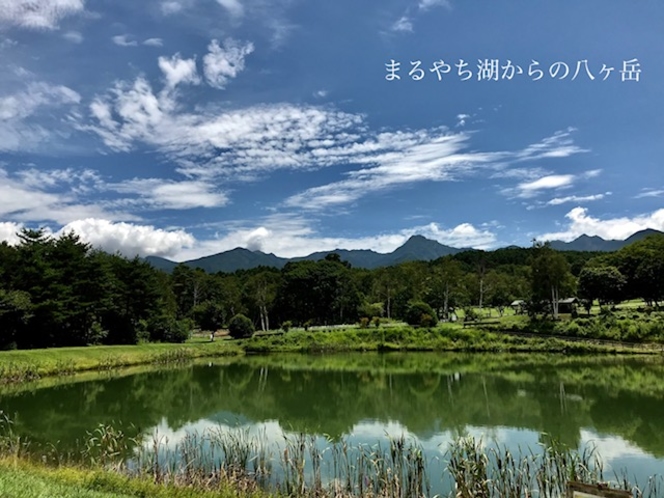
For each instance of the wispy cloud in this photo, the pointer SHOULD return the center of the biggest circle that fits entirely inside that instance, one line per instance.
(171, 7)
(154, 42)
(38, 14)
(406, 23)
(403, 24)
(36, 196)
(222, 142)
(576, 198)
(243, 144)
(428, 4)
(547, 182)
(156, 193)
(20, 127)
(532, 188)
(124, 41)
(234, 7)
(648, 192)
(427, 155)
(580, 222)
(73, 36)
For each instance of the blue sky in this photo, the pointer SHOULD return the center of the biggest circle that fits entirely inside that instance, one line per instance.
(182, 128)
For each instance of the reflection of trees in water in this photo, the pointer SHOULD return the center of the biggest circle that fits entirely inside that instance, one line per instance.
(545, 398)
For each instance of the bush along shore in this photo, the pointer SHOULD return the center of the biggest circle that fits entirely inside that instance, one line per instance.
(235, 463)
(28, 365)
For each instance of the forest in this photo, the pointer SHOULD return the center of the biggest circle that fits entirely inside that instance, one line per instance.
(60, 291)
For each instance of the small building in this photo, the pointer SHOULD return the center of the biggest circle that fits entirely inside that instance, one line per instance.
(519, 306)
(568, 305)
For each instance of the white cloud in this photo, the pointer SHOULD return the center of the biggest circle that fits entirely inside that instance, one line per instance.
(428, 4)
(560, 144)
(650, 193)
(224, 63)
(8, 231)
(177, 70)
(461, 119)
(612, 228)
(38, 14)
(130, 239)
(576, 198)
(321, 94)
(154, 42)
(546, 182)
(124, 41)
(212, 141)
(171, 7)
(164, 194)
(73, 36)
(234, 7)
(403, 24)
(535, 186)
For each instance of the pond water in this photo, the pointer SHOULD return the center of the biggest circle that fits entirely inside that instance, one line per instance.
(519, 401)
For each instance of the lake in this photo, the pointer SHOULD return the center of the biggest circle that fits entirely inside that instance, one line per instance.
(521, 401)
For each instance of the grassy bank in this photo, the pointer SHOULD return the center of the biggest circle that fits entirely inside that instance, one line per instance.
(28, 365)
(24, 479)
(442, 338)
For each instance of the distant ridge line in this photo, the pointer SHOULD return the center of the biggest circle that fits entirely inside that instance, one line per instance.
(416, 248)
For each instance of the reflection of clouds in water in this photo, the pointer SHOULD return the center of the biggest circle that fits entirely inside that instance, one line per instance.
(369, 432)
(270, 432)
(611, 448)
(618, 454)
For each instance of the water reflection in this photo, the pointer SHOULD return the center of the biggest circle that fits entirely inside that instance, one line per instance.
(516, 401)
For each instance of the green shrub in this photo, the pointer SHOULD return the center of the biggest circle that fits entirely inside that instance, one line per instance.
(364, 322)
(241, 327)
(376, 321)
(165, 328)
(286, 325)
(416, 310)
(427, 321)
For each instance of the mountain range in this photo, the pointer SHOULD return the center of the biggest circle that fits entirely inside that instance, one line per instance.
(416, 248)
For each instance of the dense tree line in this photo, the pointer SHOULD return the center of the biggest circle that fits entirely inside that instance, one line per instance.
(61, 292)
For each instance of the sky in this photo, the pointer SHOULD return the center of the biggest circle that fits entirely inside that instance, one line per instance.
(183, 128)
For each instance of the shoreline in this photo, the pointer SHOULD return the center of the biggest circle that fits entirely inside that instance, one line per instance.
(22, 366)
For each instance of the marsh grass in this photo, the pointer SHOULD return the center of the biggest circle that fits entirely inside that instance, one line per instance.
(495, 472)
